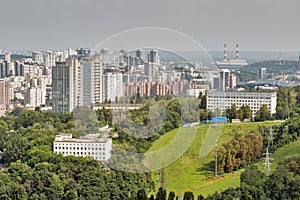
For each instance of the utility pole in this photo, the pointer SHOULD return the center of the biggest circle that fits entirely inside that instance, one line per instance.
(267, 163)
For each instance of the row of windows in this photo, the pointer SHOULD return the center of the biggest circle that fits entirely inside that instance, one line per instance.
(239, 100)
(79, 153)
(79, 148)
(95, 157)
(79, 144)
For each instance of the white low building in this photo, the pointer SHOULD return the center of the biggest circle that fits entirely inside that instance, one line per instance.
(223, 100)
(99, 149)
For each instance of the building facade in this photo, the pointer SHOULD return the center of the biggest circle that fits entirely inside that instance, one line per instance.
(223, 100)
(99, 149)
(62, 88)
(112, 85)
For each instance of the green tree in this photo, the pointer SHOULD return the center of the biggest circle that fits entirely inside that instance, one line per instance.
(15, 148)
(171, 195)
(141, 195)
(161, 194)
(263, 114)
(188, 196)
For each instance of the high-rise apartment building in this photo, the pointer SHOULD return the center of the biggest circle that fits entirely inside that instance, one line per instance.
(232, 81)
(4, 93)
(262, 74)
(112, 85)
(154, 56)
(90, 80)
(224, 79)
(4, 69)
(62, 87)
(38, 57)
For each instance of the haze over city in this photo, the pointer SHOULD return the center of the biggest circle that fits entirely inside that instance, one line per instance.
(266, 25)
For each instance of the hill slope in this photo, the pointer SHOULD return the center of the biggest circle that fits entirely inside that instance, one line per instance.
(190, 172)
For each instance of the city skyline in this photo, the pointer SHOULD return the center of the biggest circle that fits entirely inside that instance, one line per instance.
(44, 25)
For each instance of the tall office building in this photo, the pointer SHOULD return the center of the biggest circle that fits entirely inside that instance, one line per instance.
(86, 83)
(73, 62)
(4, 69)
(112, 86)
(262, 74)
(224, 79)
(154, 56)
(140, 53)
(62, 88)
(4, 93)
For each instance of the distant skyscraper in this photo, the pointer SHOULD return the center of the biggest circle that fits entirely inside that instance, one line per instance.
(49, 59)
(140, 54)
(83, 52)
(112, 86)
(224, 79)
(90, 80)
(149, 69)
(4, 69)
(4, 93)
(38, 57)
(86, 83)
(62, 88)
(262, 74)
(19, 69)
(33, 97)
(7, 57)
(154, 56)
(232, 81)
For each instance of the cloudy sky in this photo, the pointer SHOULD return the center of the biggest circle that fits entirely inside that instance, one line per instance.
(60, 24)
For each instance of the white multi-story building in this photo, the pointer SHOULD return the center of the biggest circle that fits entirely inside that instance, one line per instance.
(33, 97)
(99, 149)
(223, 100)
(112, 85)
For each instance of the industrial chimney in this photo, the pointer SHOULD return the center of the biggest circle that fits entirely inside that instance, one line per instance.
(225, 52)
(237, 52)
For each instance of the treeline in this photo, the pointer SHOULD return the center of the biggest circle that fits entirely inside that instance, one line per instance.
(140, 131)
(239, 151)
(283, 183)
(35, 172)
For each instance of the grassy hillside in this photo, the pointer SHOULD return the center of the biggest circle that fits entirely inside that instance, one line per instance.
(287, 151)
(194, 170)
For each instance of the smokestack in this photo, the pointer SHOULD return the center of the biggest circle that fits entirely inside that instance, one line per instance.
(237, 52)
(225, 51)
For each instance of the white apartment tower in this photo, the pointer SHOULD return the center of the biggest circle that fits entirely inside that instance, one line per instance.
(112, 85)
(224, 79)
(90, 81)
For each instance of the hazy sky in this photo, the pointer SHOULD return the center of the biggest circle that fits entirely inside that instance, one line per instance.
(59, 24)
